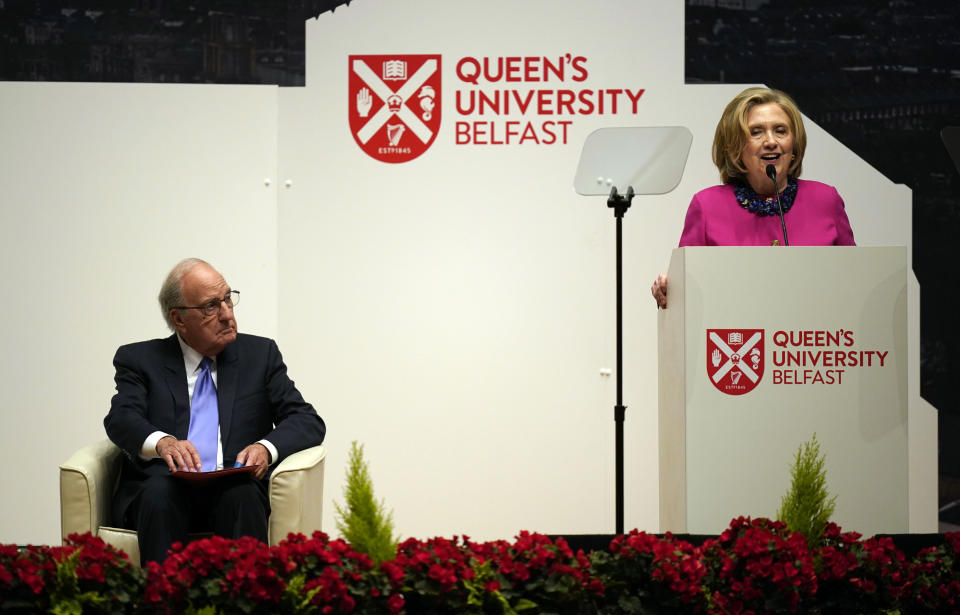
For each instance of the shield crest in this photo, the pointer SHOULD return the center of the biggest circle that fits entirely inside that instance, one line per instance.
(394, 104)
(735, 359)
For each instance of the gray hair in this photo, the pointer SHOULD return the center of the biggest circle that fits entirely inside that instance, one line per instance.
(171, 292)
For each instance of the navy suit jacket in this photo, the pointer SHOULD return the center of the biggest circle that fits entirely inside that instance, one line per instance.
(256, 400)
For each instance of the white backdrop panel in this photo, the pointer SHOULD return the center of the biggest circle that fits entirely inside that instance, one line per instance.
(454, 312)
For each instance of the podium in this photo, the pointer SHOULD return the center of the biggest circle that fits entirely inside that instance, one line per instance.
(760, 348)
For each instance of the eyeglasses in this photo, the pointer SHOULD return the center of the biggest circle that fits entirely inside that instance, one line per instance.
(213, 306)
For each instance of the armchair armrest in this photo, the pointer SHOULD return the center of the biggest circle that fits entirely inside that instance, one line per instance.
(296, 494)
(87, 482)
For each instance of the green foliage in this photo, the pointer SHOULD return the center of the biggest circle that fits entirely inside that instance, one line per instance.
(297, 599)
(106, 586)
(807, 506)
(364, 523)
(481, 594)
(66, 597)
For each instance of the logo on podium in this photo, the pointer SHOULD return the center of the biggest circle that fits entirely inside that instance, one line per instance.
(394, 104)
(735, 359)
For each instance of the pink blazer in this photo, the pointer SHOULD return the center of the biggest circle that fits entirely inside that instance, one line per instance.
(817, 218)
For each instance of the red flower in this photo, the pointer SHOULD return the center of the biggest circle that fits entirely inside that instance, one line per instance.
(757, 561)
(445, 576)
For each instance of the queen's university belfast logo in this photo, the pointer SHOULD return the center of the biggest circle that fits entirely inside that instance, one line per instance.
(735, 359)
(394, 104)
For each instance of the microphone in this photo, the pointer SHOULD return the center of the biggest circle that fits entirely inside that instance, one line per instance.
(772, 174)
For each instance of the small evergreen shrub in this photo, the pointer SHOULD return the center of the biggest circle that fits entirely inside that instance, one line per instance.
(363, 522)
(807, 506)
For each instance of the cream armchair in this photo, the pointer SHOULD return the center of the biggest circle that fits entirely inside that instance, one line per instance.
(89, 477)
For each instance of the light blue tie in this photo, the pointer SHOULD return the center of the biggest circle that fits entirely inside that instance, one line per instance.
(204, 418)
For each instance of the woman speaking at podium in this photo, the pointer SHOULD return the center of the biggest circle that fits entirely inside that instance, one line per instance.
(758, 148)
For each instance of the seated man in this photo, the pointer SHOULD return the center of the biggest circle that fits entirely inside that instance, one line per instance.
(203, 399)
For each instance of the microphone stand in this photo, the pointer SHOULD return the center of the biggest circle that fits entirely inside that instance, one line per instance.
(620, 204)
(772, 174)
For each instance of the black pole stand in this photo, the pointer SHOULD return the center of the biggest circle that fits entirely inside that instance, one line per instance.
(620, 205)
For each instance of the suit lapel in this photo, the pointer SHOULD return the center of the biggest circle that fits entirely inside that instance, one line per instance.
(176, 378)
(227, 389)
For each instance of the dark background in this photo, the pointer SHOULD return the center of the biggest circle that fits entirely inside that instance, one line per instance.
(882, 76)
(156, 41)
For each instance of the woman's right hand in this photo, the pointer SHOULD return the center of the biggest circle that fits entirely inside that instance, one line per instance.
(659, 291)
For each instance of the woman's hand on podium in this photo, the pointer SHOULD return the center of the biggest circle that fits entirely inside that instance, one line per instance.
(659, 291)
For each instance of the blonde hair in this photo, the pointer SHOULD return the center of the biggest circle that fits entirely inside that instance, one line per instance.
(732, 131)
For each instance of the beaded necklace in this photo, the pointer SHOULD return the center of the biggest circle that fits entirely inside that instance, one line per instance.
(765, 205)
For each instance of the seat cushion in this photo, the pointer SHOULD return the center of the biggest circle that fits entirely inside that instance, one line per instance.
(125, 540)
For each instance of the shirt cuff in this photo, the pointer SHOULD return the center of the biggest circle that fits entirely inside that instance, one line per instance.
(270, 449)
(149, 449)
